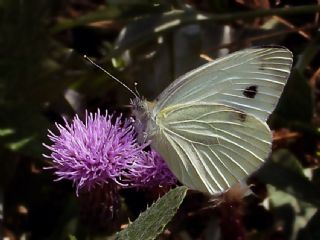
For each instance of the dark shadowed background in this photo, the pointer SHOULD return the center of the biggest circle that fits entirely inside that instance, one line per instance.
(44, 77)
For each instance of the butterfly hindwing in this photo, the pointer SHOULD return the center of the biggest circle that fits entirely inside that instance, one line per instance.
(249, 80)
(210, 147)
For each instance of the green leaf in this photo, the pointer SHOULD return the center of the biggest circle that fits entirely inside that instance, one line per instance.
(16, 146)
(152, 222)
(100, 15)
(285, 173)
(287, 160)
(145, 28)
(71, 237)
(311, 230)
(294, 106)
(23, 129)
(142, 30)
(290, 214)
(6, 131)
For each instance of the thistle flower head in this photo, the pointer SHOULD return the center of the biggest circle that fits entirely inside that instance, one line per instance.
(100, 150)
(148, 170)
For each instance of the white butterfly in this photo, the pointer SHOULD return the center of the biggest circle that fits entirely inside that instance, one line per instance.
(210, 124)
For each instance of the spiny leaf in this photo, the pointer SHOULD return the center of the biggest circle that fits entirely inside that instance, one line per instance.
(152, 222)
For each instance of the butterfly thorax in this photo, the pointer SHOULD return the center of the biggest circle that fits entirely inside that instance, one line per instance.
(144, 123)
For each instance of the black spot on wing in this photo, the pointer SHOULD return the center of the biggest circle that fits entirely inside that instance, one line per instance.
(251, 91)
(238, 115)
(242, 116)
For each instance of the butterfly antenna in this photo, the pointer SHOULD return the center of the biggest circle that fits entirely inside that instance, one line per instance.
(110, 75)
(135, 89)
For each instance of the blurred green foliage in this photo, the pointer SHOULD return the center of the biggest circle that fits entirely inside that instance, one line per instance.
(43, 77)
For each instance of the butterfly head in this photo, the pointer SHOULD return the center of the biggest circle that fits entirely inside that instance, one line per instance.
(138, 106)
(142, 114)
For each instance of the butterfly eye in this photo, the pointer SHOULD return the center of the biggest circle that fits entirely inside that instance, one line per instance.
(139, 106)
(251, 91)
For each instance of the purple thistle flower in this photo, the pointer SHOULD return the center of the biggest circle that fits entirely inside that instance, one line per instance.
(99, 151)
(149, 170)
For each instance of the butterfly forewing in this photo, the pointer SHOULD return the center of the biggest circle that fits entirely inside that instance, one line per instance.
(210, 147)
(250, 80)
